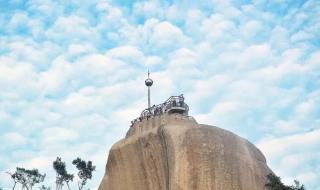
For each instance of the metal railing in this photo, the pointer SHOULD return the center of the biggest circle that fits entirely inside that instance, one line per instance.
(173, 103)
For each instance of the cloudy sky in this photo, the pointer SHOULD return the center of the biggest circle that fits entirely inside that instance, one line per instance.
(72, 76)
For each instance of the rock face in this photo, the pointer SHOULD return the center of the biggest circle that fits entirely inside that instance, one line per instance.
(174, 152)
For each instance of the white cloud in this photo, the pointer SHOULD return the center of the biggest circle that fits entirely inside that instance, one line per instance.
(286, 127)
(14, 139)
(217, 27)
(127, 53)
(66, 70)
(309, 178)
(279, 37)
(301, 35)
(18, 20)
(291, 156)
(194, 20)
(48, 8)
(251, 29)
(55, 79)
(110, 18)
(153, 61)
(58, 135)
(256, 56)
(147, 9)
(11, 77)
(71, 28)
(76, 49)
(276, 147)
(167, 36)
(313, 62)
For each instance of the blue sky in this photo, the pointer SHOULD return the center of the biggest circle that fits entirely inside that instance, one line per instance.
(72, 76)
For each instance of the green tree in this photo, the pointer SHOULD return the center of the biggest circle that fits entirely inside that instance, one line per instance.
(85, 171)
(62, 174)
(274, 183)
(297, 186)
(27, 178)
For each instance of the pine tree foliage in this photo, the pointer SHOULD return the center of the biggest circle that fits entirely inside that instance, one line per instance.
(62, 174)
(27, 178)
(85, 171)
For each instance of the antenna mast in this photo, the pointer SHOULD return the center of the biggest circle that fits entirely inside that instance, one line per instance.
(149, 83)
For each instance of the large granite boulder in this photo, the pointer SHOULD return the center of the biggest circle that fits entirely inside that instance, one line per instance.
(174, 152)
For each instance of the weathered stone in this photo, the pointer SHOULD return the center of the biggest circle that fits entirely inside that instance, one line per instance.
(173, 152)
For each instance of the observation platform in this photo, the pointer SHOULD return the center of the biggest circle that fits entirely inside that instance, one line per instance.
(173, 105)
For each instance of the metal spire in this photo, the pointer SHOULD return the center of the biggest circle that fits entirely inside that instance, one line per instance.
(149, 83)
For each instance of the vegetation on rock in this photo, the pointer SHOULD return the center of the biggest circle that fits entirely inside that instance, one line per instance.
(276, 184)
